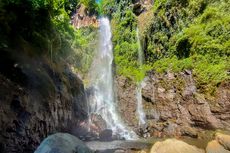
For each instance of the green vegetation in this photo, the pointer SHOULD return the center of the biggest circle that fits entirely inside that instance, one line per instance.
(176, 35)
(90, 4)
(84, 47)
(208, 71)
(45, 25)
(106, 7)
(124, 26)
(126, 46)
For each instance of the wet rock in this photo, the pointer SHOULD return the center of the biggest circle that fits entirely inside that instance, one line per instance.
(16, 104)
(106, 135)
(174, 146)
(47, 102)
(118, 145)
(202, 114)
(98, 124)
(84, 18)
(215, 147)
(174, 97)
(62, 143)
(140, 6)
(188, 131)
(90, 136)
(137, 8)
(2, 148)
(144, 131)
(126, 92)
(120, 151)
(81, 130)
(224, 140)
(188, 72)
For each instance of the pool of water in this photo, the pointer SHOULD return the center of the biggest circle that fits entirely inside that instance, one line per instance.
(146, 144)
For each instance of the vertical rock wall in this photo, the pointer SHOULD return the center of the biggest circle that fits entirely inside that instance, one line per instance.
(37, 99)
(174, 106)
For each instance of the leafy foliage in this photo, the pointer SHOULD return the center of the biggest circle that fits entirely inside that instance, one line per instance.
(91, 5)
(126, 46)
(208, 70)
(178, 35)
(45, 24)
(200, 43)
(107, 7)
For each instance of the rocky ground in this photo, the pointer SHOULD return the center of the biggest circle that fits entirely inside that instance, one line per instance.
(219, 145)
(66, 143)
(174, 106)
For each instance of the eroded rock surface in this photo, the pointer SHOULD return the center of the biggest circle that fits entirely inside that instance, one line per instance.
(83, 18)
(140, 6)
(174, 106)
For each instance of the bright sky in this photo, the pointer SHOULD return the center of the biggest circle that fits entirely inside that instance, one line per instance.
(98, 1)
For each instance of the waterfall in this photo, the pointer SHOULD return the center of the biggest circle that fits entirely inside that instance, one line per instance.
(140, 111)
(103, 102)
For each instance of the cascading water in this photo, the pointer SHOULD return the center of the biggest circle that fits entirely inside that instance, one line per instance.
(140, 111)
(103, 100)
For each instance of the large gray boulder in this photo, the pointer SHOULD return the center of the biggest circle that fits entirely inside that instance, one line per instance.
(62, 143)
(174, 146)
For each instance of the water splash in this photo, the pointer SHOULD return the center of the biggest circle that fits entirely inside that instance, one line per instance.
(103, 101)
(140, 111)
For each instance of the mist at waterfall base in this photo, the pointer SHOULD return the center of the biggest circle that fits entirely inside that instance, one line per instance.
(102, 100)
(140, 111)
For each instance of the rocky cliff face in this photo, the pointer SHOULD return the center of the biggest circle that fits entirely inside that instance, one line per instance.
(37, 98)
(83, 18)
(141, 6)
(174, 106)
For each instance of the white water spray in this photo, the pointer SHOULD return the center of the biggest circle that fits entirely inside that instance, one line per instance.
(140, 111)
(103, 101)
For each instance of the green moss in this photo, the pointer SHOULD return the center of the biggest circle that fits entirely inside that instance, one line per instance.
(208, 71)
(126, 46)
(45, 26)
(158, 3)
(192, 35)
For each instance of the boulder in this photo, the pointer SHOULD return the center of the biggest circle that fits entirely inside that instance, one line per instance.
(215, 147)
(174, 146)
(97, 123)
(62, 143)
(189, 131)
(142, 151)
(224, 140)
(106, 135)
